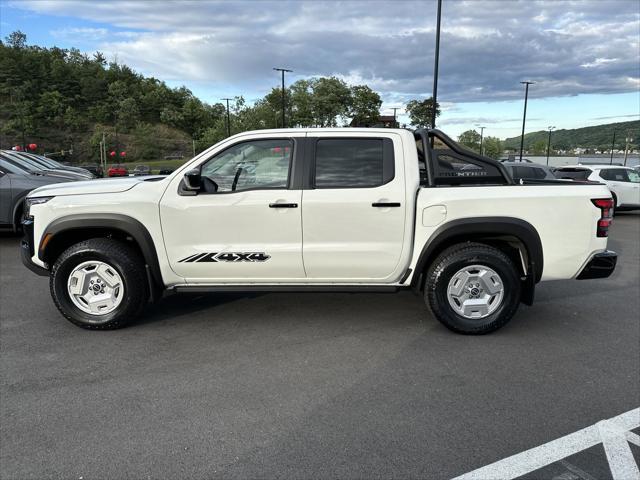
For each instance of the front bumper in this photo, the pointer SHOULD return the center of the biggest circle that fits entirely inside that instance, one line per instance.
(601, 265)
(27, 249)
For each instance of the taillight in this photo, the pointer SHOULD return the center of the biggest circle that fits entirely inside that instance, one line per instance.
(606, 214)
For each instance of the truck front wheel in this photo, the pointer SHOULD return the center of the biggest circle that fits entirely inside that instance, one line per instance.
(472, 288)
(99, 284)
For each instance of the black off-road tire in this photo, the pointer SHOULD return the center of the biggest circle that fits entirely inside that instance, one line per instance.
(448, 263)
(120, 256)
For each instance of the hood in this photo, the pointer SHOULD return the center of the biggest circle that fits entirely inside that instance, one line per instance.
(81, 172)
(38, 180)
(100, 185)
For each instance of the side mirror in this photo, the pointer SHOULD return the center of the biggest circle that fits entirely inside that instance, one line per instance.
(192, 180)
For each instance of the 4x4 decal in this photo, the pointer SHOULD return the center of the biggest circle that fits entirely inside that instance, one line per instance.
(227, 257)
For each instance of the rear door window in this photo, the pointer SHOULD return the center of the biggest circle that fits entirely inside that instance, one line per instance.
(614, 174)
(353, 162)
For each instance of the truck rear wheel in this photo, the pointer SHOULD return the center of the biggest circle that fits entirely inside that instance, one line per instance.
(472, 288)
(99, 284)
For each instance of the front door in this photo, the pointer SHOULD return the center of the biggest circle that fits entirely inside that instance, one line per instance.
(244, 225)
(354, 212)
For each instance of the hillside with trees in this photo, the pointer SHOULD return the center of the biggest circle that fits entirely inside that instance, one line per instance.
(63, 99)
(598, 137)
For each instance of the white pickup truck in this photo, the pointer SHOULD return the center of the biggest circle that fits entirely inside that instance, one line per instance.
(318, 210)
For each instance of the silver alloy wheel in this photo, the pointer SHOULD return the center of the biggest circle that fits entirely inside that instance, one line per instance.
(95, 287)
(475, 291)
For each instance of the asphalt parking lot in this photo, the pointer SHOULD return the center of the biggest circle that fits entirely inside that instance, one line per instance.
(313, 385)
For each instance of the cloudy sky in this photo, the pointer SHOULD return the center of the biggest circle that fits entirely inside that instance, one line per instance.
(583, 55)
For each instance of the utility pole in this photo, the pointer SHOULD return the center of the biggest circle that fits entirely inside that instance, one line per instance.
(524, 115)
(395, 123)
(626, 147)
(282, 70)
(481, 137)
(435, 66)
(549, 143)
(613, 142)
(103, 160)
(228, 118)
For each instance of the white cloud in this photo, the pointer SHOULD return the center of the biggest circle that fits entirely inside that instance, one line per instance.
(96, 33)
(569, 48)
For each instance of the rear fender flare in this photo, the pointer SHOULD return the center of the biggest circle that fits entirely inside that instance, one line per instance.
(472, 228)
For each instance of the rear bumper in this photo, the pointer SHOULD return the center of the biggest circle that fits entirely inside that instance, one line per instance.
(27, 249)
(601, 265)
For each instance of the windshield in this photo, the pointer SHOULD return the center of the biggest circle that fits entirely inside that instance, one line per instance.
(45, 161)
(10, 168)
(634, 177)
(22, 163)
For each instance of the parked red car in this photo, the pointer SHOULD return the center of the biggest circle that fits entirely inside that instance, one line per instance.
(117, 171)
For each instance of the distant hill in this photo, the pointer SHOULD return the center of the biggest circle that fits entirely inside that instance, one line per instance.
(597, 137)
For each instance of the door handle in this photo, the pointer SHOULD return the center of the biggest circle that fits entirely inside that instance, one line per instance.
(385, 204)
(283, 205)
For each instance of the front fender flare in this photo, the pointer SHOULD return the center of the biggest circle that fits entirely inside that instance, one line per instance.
(123, 223)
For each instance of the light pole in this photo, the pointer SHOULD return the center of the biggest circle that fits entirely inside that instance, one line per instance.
(626, 147)
(549, 143)
(283, 94)
(613, 142)
(228, 118)
(435, 66)
(481, 137)
(524, 115)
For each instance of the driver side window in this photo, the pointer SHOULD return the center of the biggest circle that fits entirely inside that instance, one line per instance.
(257, 164)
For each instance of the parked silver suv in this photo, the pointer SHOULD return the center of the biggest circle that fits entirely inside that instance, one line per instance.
(15, 184)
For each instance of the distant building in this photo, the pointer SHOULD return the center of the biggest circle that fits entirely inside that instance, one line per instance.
(384, 121)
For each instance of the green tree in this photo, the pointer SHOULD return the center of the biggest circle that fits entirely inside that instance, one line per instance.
(170, 116)
(193, 116)
(301, 97)
(493, 147)
(99, 58)
(365, 105)
(470, 139)
(271, 108)
(51, 107)
(421, 112)
(539, 147)
(212, 135)
(16, 39)
(128, 113)
(73, 121)
(331, 99)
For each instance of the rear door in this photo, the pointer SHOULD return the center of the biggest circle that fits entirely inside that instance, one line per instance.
(353, 212)
(620, 183)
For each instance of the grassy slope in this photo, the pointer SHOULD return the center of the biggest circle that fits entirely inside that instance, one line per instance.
(599, 136)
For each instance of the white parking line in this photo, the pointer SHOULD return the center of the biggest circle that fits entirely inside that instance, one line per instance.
(614, 434)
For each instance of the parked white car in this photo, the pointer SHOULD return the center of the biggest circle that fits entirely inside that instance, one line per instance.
(319, 209)
(624, 182)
